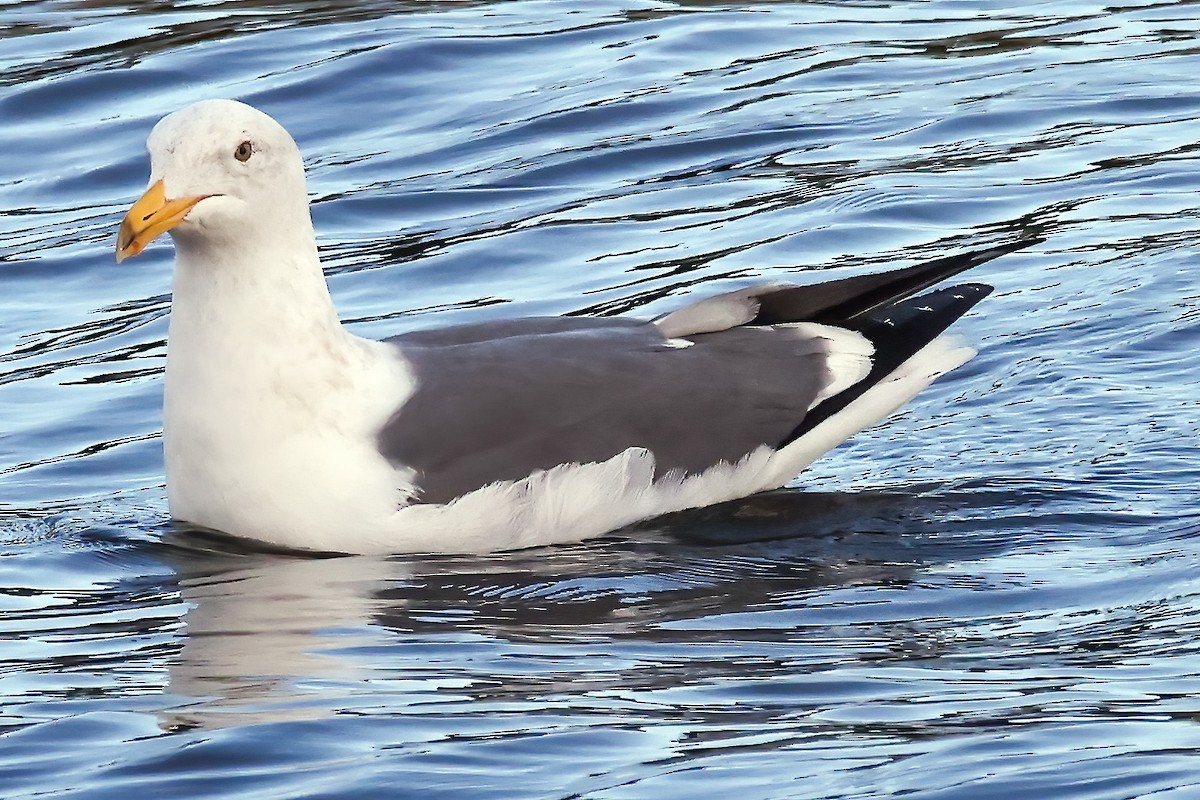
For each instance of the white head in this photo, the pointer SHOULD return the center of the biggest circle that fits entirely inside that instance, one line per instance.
(221, 173)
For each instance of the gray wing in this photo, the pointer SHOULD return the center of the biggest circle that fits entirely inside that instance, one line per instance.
(499, 401)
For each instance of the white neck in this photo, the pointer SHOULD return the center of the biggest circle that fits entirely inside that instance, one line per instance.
(273, 283)
(271, 406)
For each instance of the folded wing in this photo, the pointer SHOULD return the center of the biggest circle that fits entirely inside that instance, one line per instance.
(710, 382)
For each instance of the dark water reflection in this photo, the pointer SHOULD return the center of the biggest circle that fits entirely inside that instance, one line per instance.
(760, 603)
(992, 596)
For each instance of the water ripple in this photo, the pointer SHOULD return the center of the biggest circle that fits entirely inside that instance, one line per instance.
(992, 595)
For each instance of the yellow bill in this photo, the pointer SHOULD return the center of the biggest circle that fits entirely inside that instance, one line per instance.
(150, 216)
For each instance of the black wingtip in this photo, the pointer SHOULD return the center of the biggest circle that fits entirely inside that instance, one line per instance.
(898, 331)
(977, 257)
(840, 301)
(907, 282)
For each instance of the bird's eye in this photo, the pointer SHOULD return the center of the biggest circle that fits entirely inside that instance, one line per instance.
(244, 151)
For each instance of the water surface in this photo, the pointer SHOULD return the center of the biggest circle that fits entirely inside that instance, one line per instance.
(994, 595)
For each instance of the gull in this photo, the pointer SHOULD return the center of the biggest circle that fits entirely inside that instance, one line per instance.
(282, 426)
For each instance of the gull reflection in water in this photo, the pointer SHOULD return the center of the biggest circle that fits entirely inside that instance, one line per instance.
(272, 638)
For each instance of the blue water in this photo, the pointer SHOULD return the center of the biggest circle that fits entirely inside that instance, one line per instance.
(996, 595)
